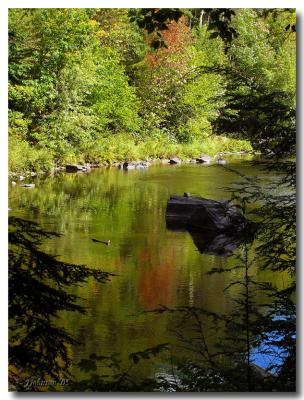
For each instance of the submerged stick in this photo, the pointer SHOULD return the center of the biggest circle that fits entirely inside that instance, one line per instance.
(102, 241)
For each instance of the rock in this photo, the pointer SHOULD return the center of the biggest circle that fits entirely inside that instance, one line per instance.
(220, 159)
(216, 227)
(204, 159)
(164, 161)
(208, 215)
(134, 165)
(13, 183)
(193, 161)
(143, 165)
(127, 165)
(21, 178)
(28, 185)
(175, 160)
(33, 174)
(76, 168)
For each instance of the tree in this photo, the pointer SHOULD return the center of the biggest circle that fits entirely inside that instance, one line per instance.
(161, 79)
(67, 87)
(38, 285)
(260, 93)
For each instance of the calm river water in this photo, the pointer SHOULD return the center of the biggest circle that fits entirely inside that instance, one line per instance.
(153, 265)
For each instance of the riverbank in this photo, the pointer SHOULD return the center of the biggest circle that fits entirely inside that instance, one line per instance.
(219, 158)
(25, 159)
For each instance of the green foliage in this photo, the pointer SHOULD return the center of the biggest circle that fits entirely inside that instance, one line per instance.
(265, 119)
(201, 95)
(67, 89)
(122, 147)
(119, 33)
(113, 84)
(177, 96)
(18, 125)
(24, 157)
(160, 88)
(260, 97)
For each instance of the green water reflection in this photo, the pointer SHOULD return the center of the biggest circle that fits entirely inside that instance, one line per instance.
(153, 265)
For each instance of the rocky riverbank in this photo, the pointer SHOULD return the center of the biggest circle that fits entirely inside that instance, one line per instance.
(219, 158)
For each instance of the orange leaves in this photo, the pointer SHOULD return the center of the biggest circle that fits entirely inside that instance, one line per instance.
(176, 37)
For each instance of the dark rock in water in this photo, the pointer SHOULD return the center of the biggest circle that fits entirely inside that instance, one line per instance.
(175, 160)
(204, 159)
(210, 215)
(142, 165)
(134, 165)
(127, 165)
(217, 227)
(28, 185)
(76, 168)
(56, 169)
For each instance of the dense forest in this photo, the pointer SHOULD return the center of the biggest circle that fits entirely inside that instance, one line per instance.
(105, 85)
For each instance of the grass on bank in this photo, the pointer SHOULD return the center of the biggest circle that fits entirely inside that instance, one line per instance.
(24, 157)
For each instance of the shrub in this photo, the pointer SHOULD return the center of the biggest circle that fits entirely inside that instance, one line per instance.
(23, 157)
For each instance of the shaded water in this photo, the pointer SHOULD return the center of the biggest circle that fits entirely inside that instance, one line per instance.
(153, 266)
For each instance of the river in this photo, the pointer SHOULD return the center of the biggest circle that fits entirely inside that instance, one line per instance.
(153, 266)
